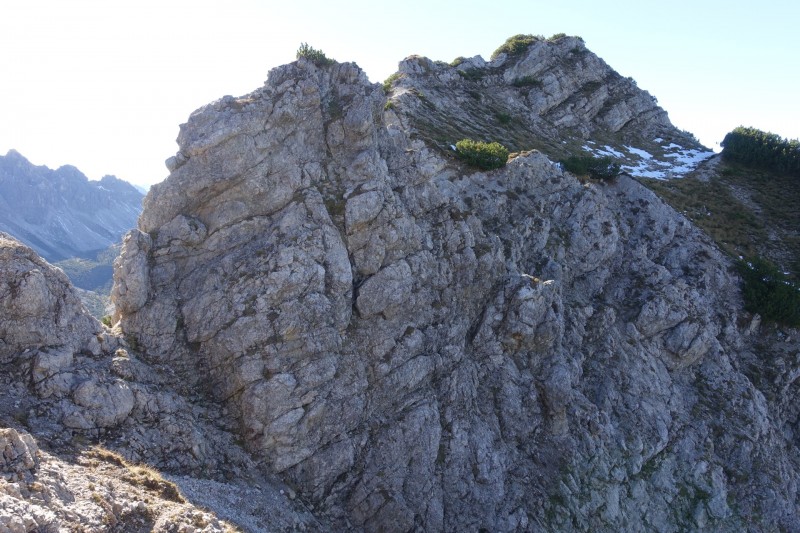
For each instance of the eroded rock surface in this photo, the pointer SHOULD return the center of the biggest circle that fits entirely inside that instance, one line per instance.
(40, 306)
(67, 384)
(415, 345)
(557, 97)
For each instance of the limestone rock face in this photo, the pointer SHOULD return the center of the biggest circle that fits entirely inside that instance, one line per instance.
(40, 306)
(70, 382)
(556, 94)
(414, 344)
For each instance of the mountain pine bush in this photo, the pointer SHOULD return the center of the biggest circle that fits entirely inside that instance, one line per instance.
(516, 45)
(485, 156)
(768, 292)
(601, 168)
(317, 57)
(760, 149)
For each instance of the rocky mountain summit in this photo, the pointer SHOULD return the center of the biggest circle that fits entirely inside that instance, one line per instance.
(323, 300)
(60, 213)
(556, 96)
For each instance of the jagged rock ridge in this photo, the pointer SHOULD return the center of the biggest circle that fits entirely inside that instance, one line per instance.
(416, 345)
(558, 97)
(60, 213)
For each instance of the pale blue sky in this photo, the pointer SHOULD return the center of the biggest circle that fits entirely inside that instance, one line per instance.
(104, 84)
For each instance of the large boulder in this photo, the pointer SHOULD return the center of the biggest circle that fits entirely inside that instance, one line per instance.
(40, 306)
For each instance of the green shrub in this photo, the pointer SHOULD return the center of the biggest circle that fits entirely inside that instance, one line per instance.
(516, 45)
(472, 74)
(591, 86)
(457, 61)
(556, 37)
(761, 149)
(312, 54)
(388, 82)
(526, 81)
(107, 321)
(601, 168)
(768, 292)
(503, 118)
(485, 156)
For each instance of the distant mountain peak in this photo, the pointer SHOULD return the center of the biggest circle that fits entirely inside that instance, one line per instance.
(61, 213)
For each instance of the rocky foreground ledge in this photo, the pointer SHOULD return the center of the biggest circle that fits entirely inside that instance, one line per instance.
(410, 344)
(87, 427)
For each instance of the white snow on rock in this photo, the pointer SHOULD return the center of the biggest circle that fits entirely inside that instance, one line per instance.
(641, 153)
(609, 151)
(638, 162)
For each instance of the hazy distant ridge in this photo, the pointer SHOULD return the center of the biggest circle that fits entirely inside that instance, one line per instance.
(61, 213)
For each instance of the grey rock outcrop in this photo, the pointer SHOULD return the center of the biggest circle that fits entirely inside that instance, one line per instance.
(415, 345)
(68, 382)
(557, 97)
(98, 492)
(40, 306)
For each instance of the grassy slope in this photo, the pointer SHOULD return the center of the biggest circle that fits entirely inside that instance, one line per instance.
(747, 212)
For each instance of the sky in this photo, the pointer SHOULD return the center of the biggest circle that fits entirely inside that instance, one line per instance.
(104, 84)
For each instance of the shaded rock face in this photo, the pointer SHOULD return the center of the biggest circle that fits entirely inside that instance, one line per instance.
(419, 346)
(60, 213)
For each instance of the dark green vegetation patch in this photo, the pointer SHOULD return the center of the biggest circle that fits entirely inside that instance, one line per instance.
(599, 168)
(516, 45)
(750, 205)
(317, 57)
(485, 156)
(763, 150)
(768, 292)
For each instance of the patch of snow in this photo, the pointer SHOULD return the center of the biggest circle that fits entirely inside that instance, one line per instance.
(687, 160)
(607, 151)
(658, 140)
(641, 153)
(642, 171)
(642, 163)
(610, 151)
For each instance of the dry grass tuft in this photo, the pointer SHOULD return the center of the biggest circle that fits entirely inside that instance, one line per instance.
(138, 475)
